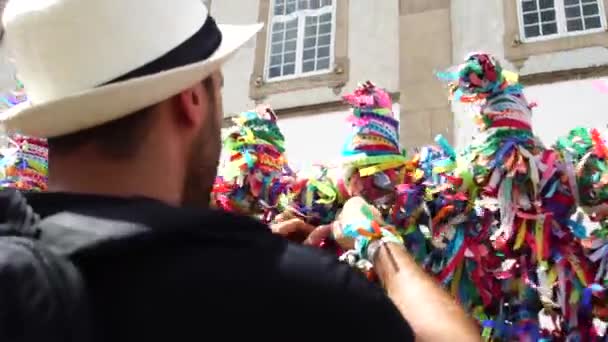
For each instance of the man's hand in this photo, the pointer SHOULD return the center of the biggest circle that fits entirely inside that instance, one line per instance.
(352, 212)
(404, 280)
(598, 213)
(296, 230)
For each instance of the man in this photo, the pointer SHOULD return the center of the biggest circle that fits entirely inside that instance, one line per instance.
(128, 94)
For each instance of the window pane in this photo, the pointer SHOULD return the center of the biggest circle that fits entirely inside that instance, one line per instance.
(532, 31)
(325, 18)
(547, 16)
(539, 18)
(546, 3)
(325, 28)
(590, 9)
(528, 6)
(323, 64)
(277, 27)
(277, 37)
(308, 54)
(574, 25)
(292, 24)
(587, 1)
(289, 69)
(291, 34)
(549, 29)
(531, 18)
(325, 40)
(290, 7)
(276, 48)
(573, 12)
(279, 7)
(310, 31)
(308, 66)
(291, 45)
(571, 2)
(593, 23)
(276, 60)
(323, 52)
(315, 36)
(290, 58)
(274, 72)
(310, 42)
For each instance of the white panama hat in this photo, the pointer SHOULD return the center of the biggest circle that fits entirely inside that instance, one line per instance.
(87, 62)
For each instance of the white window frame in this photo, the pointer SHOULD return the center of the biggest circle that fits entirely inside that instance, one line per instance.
(300, 41)
(560, 18)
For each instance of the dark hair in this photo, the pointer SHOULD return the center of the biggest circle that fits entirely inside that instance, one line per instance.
(118, 139)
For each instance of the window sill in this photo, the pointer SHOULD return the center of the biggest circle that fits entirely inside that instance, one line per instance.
(260, 89)
(518, 52)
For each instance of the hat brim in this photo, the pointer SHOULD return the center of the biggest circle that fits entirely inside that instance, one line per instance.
(103, 104)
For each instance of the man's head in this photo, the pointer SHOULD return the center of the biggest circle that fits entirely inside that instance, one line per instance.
(88, 80)
(187, 124)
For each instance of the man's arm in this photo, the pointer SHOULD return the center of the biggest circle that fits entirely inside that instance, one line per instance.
(296, 230)
(340, 301)
(433, 313)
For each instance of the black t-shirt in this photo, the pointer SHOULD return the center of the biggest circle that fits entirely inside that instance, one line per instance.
(248, 285)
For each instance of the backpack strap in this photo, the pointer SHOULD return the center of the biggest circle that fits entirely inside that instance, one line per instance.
(18, 218)
(64, 233)
(55, 280)
(113, 229)
(67, 233)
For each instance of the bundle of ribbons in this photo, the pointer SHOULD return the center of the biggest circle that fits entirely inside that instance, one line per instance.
(315, 195)
(14, 97)
(24, 164)
(372, 156)
(376, 167)
(253, 174)
(23, 160)
(459, 253)
(584, 155)
(492, 222)
(510, 167)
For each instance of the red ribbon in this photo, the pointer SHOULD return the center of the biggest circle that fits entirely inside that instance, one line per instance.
(511, 123)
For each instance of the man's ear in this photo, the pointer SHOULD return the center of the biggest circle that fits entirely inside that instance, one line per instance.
(192, 103)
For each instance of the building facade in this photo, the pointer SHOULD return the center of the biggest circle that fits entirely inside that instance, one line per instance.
(311, 52)
(558, 46)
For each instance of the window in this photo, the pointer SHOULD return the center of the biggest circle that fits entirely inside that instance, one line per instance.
(301, 39)
(544, 19)
(308, 47)
(540, 27)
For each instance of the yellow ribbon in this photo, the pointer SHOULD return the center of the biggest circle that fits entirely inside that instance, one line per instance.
(329, 193)
(372, 170)
(539, 239)
(510, 76)
(363, 160)
(456, 280)
(521, 234)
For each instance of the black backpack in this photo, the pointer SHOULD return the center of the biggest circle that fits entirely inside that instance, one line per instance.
(42, 293)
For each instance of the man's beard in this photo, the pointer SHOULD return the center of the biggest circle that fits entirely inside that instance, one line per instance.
(202, 170)
(203, 162)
